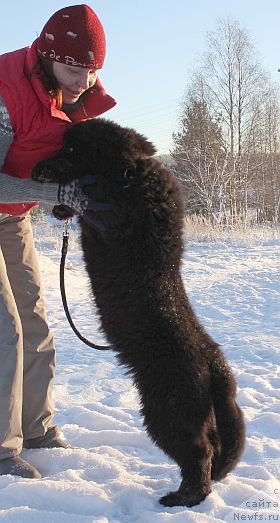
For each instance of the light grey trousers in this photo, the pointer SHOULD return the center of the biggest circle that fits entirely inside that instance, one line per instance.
(27, 354)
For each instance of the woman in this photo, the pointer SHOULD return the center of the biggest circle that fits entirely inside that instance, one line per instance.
(44, 89)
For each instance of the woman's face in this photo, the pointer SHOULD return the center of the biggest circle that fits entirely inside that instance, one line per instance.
(73, 81)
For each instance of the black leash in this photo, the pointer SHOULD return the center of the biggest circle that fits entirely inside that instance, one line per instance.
(63, 294)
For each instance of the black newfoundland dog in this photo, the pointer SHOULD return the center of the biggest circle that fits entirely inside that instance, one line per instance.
(132, 254)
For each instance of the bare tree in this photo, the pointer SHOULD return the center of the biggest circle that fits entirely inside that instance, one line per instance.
(197, 149)
(228, 148)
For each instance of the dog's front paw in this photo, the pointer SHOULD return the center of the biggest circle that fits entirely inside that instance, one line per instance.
(43, 173)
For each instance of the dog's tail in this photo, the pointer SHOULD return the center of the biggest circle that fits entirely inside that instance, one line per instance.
(229, 420)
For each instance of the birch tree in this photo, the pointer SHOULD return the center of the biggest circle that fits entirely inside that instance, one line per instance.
(237, 140)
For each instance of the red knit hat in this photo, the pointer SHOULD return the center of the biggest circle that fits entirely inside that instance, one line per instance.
(74, 36)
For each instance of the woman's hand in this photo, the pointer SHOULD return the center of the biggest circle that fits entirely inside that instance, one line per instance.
(73, 195)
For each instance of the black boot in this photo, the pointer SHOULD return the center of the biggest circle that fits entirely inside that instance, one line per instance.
(17, 466)
(50, 440)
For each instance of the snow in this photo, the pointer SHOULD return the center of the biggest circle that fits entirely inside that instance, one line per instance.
(116, 474)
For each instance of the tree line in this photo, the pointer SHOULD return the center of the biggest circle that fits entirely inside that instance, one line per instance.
(227, 152)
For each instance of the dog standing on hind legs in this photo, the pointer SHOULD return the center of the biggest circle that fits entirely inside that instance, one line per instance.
(133, 253)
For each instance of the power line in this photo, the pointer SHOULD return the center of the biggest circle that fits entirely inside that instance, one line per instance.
(149, 109)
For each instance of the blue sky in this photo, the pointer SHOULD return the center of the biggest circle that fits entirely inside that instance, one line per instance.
(153, 48)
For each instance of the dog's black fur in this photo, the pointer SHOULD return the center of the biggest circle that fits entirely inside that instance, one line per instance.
(132, 254)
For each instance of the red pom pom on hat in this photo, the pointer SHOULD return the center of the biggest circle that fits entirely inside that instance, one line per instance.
(74, 36)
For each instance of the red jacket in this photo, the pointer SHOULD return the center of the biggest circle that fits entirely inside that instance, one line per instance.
(38, 125)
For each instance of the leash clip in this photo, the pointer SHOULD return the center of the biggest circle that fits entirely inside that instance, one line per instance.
(67, 223)
(65, 237)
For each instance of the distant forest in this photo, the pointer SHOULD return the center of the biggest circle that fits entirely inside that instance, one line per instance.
(227, 151)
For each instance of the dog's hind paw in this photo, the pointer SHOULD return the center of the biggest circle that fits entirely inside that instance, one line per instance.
(187, 499)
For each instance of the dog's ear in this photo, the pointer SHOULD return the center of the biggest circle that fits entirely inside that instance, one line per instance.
(140, 144)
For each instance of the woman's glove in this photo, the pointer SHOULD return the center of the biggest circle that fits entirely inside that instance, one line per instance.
(72, 195)
(73, 200)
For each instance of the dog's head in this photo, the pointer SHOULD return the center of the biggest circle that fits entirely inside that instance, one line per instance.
(110, 149)
(124, 170)
(100, 148)
(118, 156)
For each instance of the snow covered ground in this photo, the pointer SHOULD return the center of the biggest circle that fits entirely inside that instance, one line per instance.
(116, 474)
